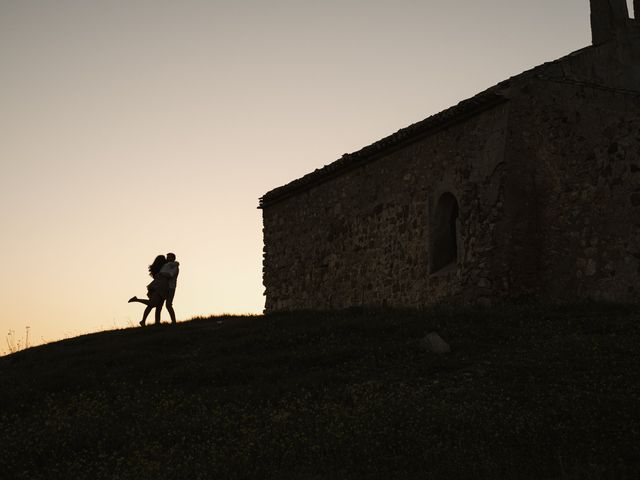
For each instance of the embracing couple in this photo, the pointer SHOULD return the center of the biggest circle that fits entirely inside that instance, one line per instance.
(162, 289)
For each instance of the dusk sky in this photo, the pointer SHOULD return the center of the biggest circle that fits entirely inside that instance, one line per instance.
(133, 128)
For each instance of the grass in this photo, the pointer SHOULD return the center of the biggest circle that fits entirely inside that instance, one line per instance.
(527, 392)
(14, 343)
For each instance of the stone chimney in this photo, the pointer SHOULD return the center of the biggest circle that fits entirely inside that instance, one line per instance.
(608, 16)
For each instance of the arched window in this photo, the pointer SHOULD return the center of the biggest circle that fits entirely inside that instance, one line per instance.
(444, 233)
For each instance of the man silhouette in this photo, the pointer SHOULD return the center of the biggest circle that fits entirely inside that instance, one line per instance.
(170, 270)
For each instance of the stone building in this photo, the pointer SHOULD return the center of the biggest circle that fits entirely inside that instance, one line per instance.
(529, 189)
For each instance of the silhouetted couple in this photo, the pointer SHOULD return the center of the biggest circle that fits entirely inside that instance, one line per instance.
(162, 289)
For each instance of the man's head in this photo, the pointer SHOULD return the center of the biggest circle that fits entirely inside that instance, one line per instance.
(171, 257)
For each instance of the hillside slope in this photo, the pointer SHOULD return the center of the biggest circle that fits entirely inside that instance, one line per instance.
(527, 392)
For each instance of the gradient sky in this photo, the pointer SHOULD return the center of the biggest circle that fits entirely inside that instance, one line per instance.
(131, 128)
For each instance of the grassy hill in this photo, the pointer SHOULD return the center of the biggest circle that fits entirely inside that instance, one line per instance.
(527, 392)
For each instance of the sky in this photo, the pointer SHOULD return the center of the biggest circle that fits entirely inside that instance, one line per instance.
(131, 128)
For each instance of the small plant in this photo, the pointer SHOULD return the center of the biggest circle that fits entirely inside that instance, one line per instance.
(15, 344)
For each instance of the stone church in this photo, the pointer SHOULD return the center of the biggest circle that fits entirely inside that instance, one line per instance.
(528, 190)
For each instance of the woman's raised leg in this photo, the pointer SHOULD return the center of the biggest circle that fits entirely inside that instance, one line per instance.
(139, 300)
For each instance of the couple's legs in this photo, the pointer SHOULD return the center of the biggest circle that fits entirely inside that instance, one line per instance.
(151, 304)
(147, 311)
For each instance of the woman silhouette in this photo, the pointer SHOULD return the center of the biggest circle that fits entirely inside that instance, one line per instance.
(157, 291)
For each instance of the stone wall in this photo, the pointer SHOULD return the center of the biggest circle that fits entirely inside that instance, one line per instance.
(546, 189)
(362, 238)
(582, 145)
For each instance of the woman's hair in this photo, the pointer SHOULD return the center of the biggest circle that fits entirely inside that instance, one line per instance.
(157, 264)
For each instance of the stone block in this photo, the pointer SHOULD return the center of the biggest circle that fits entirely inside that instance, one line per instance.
(435, 344)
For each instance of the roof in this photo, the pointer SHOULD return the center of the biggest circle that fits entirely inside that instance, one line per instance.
(458, 113)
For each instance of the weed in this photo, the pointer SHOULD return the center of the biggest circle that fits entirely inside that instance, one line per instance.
(15, 344)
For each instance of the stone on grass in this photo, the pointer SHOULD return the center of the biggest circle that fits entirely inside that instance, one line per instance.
(435, 344)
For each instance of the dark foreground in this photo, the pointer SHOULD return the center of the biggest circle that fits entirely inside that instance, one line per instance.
(526, 393)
